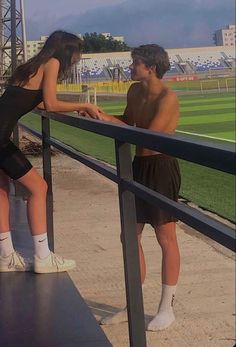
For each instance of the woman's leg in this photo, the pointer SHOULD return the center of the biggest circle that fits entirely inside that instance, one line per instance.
(45, 261)
(36, 206)
(166, 236)
(4, 203)
(9, 259)
(36, 210)
(6, 246)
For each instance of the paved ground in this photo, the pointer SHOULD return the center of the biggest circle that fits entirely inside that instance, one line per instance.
(87, 229)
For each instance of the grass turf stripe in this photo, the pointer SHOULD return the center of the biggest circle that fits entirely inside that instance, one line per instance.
(207, 119)
(220, 136)
(207, 103)
(229, 135)
(207, 100)
(209, 128)
(205, 107)
(208, 112)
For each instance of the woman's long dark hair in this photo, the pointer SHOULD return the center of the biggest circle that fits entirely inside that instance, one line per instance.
(60, 45)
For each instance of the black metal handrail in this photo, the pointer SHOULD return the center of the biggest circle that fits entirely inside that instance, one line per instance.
(194, 218)
(214, 156)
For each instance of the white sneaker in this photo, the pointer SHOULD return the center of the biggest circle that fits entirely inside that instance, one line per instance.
(53, 263)
(15, 262)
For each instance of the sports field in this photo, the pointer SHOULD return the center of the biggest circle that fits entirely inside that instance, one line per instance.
(208, 117)
(212, 116)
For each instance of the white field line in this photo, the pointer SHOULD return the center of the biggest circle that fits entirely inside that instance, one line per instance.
(201, 135)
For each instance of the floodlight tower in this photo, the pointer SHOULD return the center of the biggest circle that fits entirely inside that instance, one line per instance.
(12, 37)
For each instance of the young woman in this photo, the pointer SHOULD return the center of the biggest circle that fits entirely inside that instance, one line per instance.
(34, 83)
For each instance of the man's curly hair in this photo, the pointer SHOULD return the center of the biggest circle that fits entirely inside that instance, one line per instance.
(153, 55)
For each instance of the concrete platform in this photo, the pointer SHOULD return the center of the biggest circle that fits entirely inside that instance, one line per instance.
(42, 310)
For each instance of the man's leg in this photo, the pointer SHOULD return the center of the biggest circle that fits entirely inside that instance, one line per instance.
(142, 263)
(121, 316)
(166, 236)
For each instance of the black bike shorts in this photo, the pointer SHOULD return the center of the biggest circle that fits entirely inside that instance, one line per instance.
(13, 162)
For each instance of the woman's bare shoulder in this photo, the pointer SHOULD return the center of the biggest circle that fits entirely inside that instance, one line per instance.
(52, 62)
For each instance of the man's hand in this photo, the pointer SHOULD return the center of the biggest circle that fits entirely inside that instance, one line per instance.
(90, 110)
(103, 117)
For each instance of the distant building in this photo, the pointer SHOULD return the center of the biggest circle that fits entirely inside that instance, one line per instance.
(33, 47)
(117, 38)
(226, 36)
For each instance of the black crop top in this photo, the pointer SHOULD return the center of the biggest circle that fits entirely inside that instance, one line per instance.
(14, 103)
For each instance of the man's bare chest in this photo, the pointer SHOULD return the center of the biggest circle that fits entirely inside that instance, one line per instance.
(143, 112)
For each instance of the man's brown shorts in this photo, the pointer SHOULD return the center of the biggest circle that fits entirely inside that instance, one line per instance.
(160, 173)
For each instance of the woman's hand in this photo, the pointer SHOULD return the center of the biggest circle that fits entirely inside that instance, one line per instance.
(90, 110)
(101, 116)
(105, 117)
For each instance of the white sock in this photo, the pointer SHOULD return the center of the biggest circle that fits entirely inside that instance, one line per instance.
(165, 315)
(41, 245)
(6, 246)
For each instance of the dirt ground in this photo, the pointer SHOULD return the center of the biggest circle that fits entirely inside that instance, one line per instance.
(87, 228)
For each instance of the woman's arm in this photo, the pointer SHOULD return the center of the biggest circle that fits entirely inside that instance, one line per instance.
(113, 119)
(51, 103)
(126, 118)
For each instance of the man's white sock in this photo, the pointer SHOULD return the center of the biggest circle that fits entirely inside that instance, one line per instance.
(41, 245)
(165, 315)
(6, 246)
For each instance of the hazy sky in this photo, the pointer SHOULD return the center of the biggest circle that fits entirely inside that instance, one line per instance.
(171, 23)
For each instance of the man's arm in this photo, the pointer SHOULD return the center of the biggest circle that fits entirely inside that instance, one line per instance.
(127, 117)
(113, 119)
(167, 115)
(124, 119)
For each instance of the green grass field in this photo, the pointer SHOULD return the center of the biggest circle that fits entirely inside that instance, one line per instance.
(208, 117)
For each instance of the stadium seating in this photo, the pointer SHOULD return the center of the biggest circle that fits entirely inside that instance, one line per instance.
(203, 61)
(182, 61)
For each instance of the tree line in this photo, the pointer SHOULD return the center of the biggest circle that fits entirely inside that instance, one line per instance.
(98, 43)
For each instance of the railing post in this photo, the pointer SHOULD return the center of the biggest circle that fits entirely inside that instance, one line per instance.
(14, 58)
(15, 134)
(130, 248)
(47, 174)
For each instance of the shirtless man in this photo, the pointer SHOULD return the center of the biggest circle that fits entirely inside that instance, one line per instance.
(151, 105)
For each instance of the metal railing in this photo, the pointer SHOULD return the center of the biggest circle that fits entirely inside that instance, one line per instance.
(213, 156)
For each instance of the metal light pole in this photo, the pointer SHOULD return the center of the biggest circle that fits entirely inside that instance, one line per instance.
(12, 37)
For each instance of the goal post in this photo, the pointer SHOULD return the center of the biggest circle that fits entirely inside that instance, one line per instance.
(88, 94)
(210, 85)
